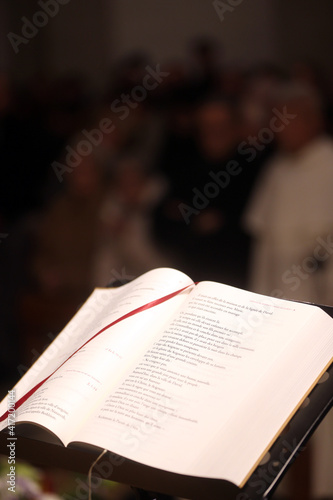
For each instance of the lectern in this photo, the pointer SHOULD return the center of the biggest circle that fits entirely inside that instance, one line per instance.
(144, 480)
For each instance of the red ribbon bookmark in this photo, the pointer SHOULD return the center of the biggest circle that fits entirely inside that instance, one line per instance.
(149, 305)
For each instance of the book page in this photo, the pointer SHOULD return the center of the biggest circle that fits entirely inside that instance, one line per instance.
(274, 399)
(66, 398)
(177, 409)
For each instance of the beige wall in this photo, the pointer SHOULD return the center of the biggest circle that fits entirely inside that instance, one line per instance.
(77, 39)
(305, 27)
(163, 28)
(85, 36)
(73, 40)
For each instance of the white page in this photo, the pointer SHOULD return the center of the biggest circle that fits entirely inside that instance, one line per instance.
(266, 408)
(72, 391)
(183, 391)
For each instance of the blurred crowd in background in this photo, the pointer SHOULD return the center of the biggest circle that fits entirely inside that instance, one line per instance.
(158, 170)
(223, 173)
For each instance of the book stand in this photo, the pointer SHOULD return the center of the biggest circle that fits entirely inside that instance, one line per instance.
(265, 479)
(144, 480)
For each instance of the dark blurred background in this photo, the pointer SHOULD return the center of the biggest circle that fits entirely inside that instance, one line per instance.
(116, 119)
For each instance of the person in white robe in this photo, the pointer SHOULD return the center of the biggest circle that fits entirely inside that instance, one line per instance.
(290, 218)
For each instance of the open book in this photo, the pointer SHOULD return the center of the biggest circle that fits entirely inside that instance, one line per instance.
(196, 379)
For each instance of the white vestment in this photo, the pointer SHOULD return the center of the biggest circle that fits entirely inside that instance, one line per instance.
(291, 220)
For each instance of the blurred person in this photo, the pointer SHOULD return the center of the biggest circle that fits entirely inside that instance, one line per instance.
(126, 248)
(65, 239)
(135, 105)
(292, 204)
(311, 73)
(205, 57)
(207, 239)
(290, 218)
(63, 245)
(178, 142)
(67, 254)
(230, 81)
(255, 97)
(126, 73)
(143, 134)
